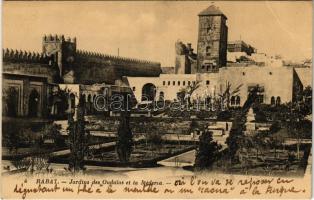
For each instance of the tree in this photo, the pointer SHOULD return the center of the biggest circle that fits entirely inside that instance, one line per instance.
(125, 138)
(207, 152)
(238, 125)
(193, 125)
(274, 143)
(259, 141)
(52, 131)
(186, 93)
(78, 138)
(305, 105)
(225, 96)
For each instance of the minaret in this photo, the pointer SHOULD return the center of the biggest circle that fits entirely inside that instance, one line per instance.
(212, 40)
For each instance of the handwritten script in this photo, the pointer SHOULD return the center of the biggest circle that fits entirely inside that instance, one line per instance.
(275, 187)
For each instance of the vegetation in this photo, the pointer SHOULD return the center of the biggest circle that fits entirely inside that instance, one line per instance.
(78, 138)
(52, 132)
(185, 93)
(227, 93)
(207, 152)
(236, 135)
(125, 138)
(155, 141)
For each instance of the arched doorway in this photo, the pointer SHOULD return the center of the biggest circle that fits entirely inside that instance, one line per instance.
(72, 103)
(233, 100)
(148, 92)
(161, 96)
(278, 101)
(272, 100)
(12, 102)
(33, 103)
(238, 100)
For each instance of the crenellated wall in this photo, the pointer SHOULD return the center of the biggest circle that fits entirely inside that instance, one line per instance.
(114, 60)
(93, 67)
(30, 64)
(75, 66)
(19, 56)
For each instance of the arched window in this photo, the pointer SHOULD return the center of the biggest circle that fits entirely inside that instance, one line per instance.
(272, 100)
(278, 101)
(232, 100)
(33, 103)
(89, 98)
(208, 50)
(237, 100)
(209, 67)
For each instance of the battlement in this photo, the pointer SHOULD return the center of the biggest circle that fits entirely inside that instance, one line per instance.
(58, 38)
(10, 55)
(105, 58)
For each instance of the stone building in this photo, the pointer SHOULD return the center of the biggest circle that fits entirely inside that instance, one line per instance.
(276, 84)
(31, 80)
(240, 46)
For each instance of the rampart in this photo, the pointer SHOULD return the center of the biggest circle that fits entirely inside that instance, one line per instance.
(19, 56)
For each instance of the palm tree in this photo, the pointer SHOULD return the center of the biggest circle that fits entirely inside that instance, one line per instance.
(225, 96)
(186, 92)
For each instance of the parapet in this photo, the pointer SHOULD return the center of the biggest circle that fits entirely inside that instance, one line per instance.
(10, 55)
(105, 58)
(58, 38)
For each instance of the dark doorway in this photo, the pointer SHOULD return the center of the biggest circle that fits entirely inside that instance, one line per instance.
(12, 102)
(33, 103)
(161, 96)
(148, 92)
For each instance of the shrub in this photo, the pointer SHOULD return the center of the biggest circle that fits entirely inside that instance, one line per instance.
(208, 151)
(52, 131)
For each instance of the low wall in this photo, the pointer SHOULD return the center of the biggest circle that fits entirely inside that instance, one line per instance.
(144, 125)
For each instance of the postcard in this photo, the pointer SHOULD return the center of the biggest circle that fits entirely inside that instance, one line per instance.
(156, 99)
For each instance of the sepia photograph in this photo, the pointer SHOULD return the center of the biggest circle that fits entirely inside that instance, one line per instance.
(156, 99)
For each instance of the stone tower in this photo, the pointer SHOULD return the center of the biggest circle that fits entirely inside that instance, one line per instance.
(212, 40)
(62, 52)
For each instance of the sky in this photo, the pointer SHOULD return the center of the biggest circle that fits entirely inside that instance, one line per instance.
(149, 30)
